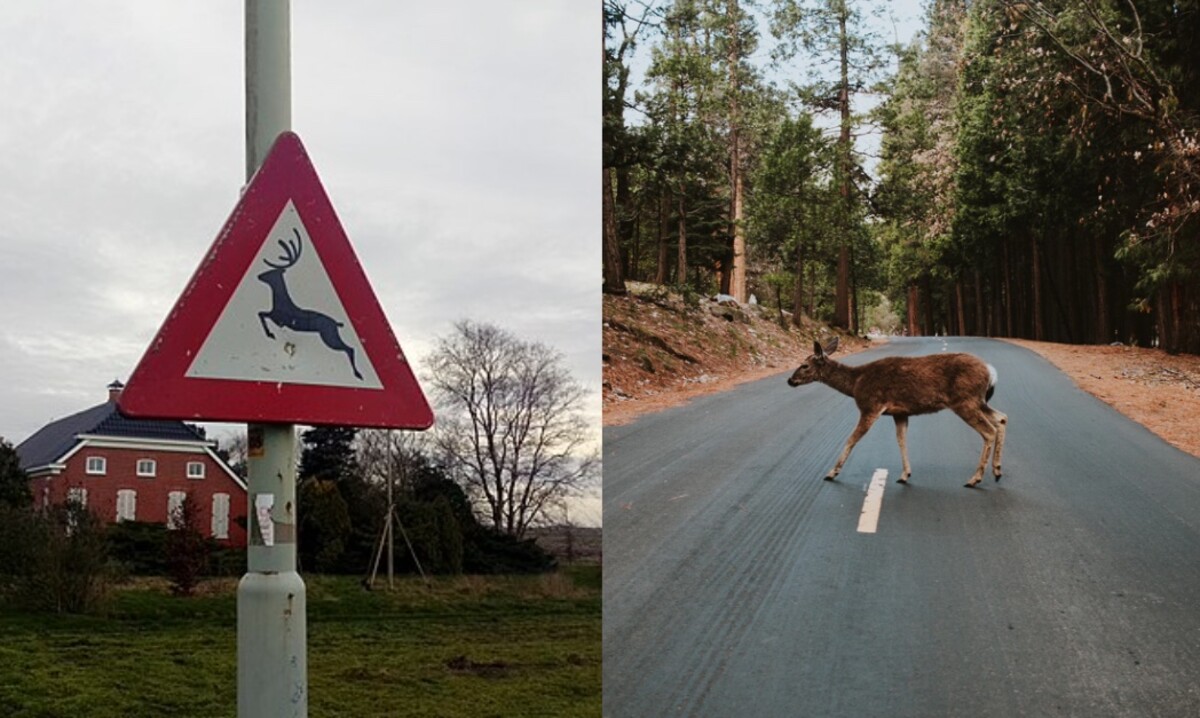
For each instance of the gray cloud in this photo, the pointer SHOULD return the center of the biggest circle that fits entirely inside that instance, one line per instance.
(458, 142)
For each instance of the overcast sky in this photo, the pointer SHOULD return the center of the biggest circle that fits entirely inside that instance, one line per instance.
(458, 141)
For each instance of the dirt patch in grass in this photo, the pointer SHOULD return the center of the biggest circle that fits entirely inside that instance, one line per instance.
(486, 669)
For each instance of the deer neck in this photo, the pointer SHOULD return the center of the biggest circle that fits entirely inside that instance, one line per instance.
(841, 377)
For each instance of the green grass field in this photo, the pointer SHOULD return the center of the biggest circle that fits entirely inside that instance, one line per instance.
(466, 646)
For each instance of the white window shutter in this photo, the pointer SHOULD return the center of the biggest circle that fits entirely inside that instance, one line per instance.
(126, 505)
(174, 504)
(220, 516)
(77, 494)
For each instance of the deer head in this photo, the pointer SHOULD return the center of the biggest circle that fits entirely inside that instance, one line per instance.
(814, 367)
(291, 255)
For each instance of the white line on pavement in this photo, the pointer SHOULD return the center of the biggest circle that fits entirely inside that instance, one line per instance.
(869, 518)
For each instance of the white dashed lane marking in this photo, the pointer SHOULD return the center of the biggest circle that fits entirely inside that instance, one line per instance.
(873, 504)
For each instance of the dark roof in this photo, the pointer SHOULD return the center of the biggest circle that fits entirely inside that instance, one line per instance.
(56, 438)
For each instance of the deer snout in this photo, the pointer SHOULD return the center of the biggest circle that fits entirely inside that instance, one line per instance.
(792, 381)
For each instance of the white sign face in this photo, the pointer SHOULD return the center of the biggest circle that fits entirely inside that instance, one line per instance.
(284, 322)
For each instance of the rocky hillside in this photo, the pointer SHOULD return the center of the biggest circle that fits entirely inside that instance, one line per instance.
(661, 348)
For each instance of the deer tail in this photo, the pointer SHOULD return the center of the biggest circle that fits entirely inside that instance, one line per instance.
(992, 378)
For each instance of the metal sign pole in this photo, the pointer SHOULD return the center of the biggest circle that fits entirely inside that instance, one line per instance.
(271, 605)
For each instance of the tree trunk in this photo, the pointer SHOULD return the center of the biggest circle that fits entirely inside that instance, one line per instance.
(961, 330)
(625, 218)
(798, 292)
(842, 303)
(913, 309)
(681, 265)
(979, 329)
(737, 260)
(1104, 333)
(660, 274)
(930, 327)
(614, 280)
(1038, 330)
(1008, 295)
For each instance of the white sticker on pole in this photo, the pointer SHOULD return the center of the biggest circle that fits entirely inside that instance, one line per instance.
(263, 503)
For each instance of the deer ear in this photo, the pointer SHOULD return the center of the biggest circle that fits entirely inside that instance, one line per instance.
(817, 348)
(831, 347)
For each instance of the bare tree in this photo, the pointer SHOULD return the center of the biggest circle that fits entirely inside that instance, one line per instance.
(510, 427)
(235, 451)
(388, 456)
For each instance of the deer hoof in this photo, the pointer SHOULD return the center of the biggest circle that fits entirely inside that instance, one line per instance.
(902, 480)
(998, 477)
(971, 484)
(829, 478)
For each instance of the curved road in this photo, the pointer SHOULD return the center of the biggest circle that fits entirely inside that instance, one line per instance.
(737, 584)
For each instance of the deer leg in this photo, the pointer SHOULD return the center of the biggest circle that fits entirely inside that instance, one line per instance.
(864, 423)
(902, 440)
(262, 317)
(1000, 420)
(979, 421)
(353, 366)
(333, 340)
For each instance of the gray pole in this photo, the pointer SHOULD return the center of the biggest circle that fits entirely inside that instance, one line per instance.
(271, 605)
(391, 537)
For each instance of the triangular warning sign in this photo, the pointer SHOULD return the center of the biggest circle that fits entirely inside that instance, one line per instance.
(279, 323)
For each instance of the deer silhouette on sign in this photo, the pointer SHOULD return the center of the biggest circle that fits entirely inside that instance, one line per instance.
(285, 313)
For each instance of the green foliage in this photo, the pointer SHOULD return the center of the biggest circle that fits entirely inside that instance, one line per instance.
(492, 552)
(140, 547)
(342, 536)
(55, 560)
(1025, 138)
(328, 453)
(187, 550)
(792, 191)
(14, 484)
(324, 527)
(435, 535)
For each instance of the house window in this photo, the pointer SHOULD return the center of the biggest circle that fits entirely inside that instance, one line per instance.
(195, 469)
(220, 516)
(147, 467)
(97, 465)
(126, 505)
(175, 508)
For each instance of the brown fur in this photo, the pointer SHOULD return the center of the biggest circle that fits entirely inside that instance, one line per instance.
(901, 387)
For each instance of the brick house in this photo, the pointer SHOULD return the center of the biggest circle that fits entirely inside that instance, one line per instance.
(134, 469)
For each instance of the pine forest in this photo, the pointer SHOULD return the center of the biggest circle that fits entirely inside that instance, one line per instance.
(1017, 169)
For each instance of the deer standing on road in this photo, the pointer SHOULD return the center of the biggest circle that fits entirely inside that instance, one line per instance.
(285, 313)
(901, 387)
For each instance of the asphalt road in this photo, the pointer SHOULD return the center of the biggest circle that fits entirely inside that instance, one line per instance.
(736, 583)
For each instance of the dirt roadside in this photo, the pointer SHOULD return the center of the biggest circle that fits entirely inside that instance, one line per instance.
(1160, 391)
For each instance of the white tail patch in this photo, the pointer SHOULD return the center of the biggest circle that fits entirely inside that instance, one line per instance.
(992, 375)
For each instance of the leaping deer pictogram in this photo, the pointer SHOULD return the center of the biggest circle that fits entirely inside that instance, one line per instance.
(285, 313)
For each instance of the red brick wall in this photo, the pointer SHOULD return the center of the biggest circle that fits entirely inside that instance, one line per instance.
(170, 475)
